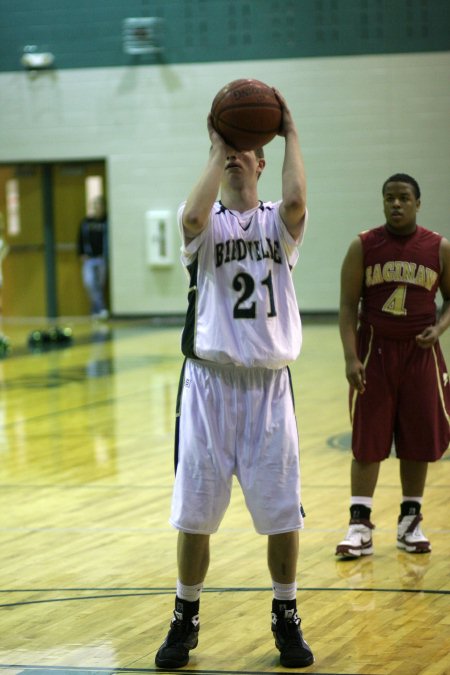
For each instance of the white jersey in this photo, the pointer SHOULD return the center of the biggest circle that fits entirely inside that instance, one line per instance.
(242, 304)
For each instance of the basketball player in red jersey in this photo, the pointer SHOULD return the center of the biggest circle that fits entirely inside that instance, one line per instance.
(399, 388)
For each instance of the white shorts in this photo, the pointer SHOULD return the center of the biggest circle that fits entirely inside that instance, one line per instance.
(236, 421)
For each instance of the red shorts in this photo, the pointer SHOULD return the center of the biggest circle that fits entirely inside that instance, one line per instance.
(406, 401)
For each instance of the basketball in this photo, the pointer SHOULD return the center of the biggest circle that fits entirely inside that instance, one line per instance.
(246, 113)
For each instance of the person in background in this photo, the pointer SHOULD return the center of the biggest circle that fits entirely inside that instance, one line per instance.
(4, 250)
(235, 412)
(93, 252)
(399, 386)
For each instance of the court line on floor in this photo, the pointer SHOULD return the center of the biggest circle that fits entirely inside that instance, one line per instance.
(61, 670)
(43, 670)
(150, 592)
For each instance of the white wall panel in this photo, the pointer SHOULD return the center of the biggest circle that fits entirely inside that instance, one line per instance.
(360, 119)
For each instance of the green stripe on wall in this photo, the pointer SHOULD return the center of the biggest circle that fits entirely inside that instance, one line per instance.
(88, 33)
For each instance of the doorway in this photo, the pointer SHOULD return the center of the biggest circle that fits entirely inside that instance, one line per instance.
(41, 208)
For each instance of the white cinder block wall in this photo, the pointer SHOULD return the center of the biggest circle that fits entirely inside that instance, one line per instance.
(360, 119)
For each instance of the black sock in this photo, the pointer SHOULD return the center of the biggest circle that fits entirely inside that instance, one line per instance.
(187, 609)
(360, 512)
(282, 605)
(409, 508)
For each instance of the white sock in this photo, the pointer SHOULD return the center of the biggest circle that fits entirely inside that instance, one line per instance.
(412, 499)
(189, 593)
(284, 591)
(364, 501)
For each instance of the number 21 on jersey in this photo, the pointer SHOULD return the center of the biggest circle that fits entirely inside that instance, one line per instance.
(245, 285)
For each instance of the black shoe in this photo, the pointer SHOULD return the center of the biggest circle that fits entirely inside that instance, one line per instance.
(294, 650)
(182, 636)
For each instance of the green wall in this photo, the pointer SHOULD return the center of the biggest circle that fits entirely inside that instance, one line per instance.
(88, 33)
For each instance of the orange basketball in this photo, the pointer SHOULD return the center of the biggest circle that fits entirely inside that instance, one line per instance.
(246, 113)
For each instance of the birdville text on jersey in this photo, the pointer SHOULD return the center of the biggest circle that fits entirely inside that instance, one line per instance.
(238, 249)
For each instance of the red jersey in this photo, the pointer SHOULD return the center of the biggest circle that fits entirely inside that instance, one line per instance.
(401, 279)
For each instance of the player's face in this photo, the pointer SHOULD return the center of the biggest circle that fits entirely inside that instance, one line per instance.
(242, 166)
(400, 207)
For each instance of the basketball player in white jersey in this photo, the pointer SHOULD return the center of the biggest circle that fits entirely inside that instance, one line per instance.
(235, 409)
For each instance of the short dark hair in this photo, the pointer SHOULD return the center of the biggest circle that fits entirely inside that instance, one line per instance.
(403, 178)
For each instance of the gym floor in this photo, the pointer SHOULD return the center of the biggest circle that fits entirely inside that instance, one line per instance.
(88, 559)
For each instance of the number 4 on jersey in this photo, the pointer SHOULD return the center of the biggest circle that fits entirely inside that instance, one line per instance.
(395, 304)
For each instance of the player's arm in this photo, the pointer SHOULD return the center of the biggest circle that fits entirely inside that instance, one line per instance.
(293, 203)
(352, 277)
(429, 336)
(200, 201)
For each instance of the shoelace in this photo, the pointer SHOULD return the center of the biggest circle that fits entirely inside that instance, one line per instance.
(416, 533)
(362, 521)
(294, 636)
(179, 630)
(413, 528)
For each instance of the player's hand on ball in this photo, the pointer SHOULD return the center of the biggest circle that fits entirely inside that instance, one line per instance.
(215, 137)
(287, 123)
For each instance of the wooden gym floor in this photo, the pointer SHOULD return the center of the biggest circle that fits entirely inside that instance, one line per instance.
(87, 558)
